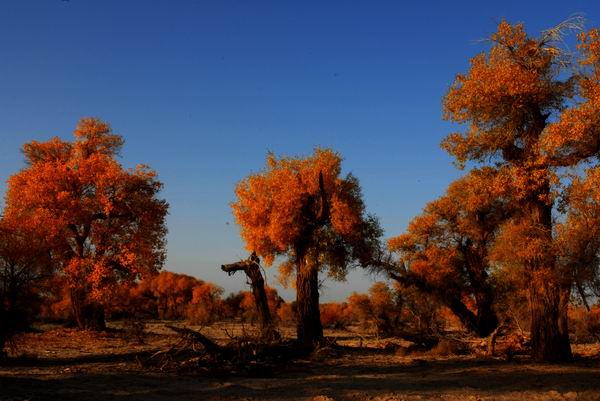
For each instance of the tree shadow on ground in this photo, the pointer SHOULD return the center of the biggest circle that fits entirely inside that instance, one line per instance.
(28, 361)
(346, 380)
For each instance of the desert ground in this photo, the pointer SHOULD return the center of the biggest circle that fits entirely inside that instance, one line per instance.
(57, 363)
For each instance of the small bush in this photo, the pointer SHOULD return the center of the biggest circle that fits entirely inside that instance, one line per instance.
(585, 325)
(593, 322)
(335, 315)
(286, 313)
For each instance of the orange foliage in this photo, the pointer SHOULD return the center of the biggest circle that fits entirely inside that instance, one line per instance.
(531, 117)
(56, 304)
(205, 306)
(286, 313)
(270, 205)
(378, 309)
(302, 209)
(578, 236)
(445, 250)
(335, 315)
(585, 324)
(243, 304)
(171, 295)
(105, 223)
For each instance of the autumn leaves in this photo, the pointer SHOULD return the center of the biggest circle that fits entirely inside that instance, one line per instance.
(101, 225)
(531, 110)
(527, 209)
(302, 209)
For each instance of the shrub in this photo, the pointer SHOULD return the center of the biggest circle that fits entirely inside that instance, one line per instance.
(335, 315)
(287, 313)
(585, 325)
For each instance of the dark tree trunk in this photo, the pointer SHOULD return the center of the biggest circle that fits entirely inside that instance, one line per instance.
(265, 320)
(548, 341)
(482, 323)
(309, 329)
(3, 328)
(486, 321)
(88, 315)
(549, 327)
(251, 267)
(563, 319)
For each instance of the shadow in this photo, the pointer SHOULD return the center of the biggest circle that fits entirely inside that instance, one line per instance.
(26, 361)
(300, 381)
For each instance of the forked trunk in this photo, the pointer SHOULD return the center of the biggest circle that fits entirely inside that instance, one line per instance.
(482, 323)
(88, 315)
(309, 329)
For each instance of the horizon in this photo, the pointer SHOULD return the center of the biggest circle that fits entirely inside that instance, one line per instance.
(201, 92)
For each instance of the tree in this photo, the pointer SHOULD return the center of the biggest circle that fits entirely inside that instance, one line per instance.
(302, 209)
(531, 116)
(445, 250)
(24, 264)
(378, 309)
(106, 224)
(205, 306)
(578, 235)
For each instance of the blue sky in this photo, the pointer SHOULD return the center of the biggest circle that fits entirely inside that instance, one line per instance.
(201, 90)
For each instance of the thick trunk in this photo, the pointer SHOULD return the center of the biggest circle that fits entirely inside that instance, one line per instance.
(563, 319)
(487, 320)
(482, 323)
(547, 302)
(309, 329)
(88, 315)
(548, 339)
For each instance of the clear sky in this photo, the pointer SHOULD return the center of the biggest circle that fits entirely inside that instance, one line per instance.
(201, 90)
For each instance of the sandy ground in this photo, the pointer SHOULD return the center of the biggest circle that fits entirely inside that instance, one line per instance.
(64, 364)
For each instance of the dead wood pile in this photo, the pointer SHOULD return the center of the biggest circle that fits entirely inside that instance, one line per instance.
(194, 353)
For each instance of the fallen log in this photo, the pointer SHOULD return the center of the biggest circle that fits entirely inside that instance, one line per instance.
(197, 337)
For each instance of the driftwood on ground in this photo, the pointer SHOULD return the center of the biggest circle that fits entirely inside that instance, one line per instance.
(245, 355)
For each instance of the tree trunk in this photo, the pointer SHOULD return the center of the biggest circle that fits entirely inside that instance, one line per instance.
(487, 319)
(265, 321)
(549, 326)
(88, 315)
(548, 342)
(251, 267)
(3, 328)
(563, 318)
(309, 329)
